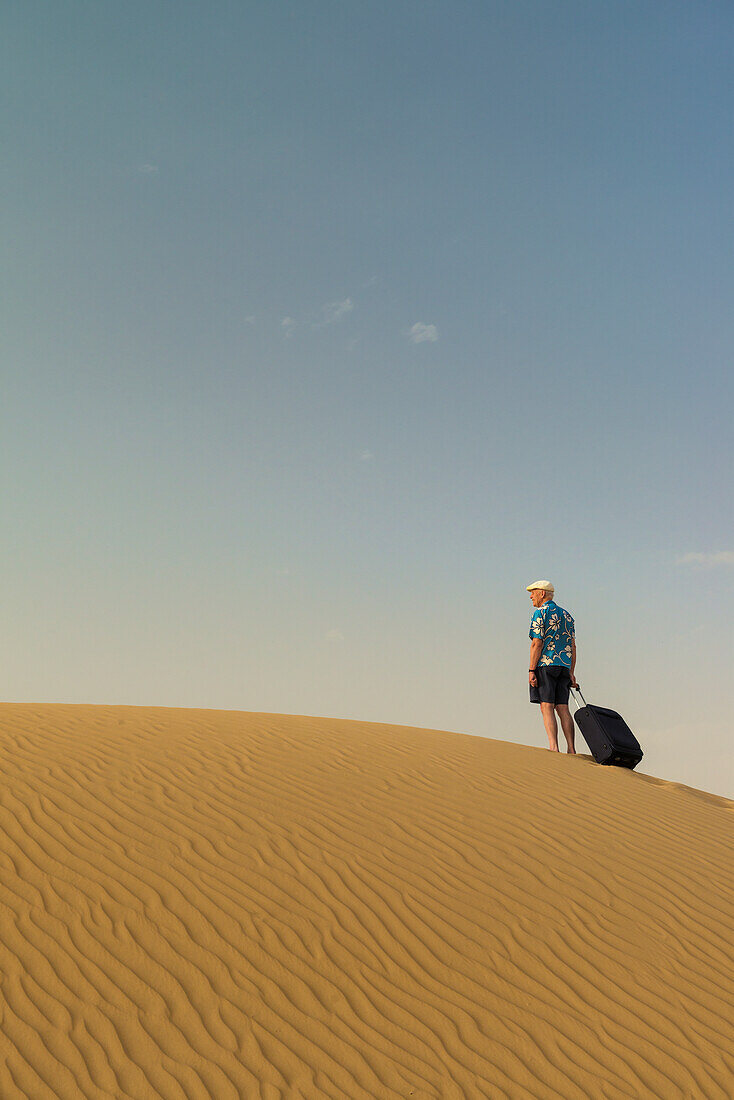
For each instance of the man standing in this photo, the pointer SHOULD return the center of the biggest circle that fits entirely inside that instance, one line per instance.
(552, 662)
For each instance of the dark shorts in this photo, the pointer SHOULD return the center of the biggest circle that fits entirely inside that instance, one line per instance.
(554, 682)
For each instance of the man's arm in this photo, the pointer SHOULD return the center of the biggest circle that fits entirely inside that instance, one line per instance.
(574, 682)
(536, 648)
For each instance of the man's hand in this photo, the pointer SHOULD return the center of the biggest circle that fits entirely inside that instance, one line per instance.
(574, 682)
(532, 679)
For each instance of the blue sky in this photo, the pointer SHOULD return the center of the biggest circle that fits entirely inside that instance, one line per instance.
(331, 326)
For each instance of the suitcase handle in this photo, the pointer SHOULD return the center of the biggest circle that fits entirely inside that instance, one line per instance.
(578, 689)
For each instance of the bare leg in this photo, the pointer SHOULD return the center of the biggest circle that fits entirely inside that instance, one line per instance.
(567, 726)
(551, 726)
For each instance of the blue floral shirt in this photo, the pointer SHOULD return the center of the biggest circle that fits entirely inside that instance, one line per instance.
(556, 628)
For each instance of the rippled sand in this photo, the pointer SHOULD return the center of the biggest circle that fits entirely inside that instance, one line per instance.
(210, 904)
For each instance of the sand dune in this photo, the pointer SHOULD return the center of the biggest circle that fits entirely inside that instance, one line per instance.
(203, 904)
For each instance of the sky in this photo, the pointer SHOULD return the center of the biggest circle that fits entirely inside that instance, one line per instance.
(329, 326)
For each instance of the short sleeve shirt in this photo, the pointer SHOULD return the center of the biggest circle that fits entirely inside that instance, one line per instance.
(555, 627)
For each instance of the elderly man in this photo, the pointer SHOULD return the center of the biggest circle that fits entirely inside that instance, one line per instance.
(552, 662)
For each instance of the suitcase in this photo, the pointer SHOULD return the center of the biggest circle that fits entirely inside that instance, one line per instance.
(608, 736)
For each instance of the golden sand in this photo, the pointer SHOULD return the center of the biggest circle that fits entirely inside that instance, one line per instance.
(209, 904)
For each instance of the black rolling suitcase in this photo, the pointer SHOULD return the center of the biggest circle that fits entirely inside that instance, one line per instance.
(608, 736)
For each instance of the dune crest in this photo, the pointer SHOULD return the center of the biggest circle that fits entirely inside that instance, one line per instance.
(210, 904)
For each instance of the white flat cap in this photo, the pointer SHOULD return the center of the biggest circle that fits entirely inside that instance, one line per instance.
(545, 585)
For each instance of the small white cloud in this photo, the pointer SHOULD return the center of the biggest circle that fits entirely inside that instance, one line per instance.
(250, 319)
(334, 636)
(334, 311)
(287, 325)
(148, 169)
(420, 333)
(708, 561)
(366, 456)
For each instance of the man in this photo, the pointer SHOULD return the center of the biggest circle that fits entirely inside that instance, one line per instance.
(552, 662)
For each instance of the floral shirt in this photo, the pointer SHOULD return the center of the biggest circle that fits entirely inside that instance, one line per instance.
(556, 629)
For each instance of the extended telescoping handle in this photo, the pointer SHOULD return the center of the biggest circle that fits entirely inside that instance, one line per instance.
(573, 691)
